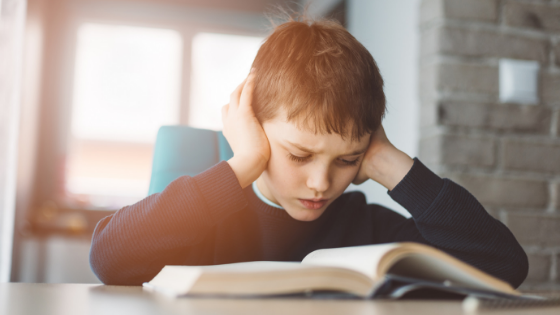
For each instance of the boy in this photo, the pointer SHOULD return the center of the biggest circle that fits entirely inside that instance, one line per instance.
(303, 126)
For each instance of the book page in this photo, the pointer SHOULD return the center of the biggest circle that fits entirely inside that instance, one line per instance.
(173, 279)
(257, 278)
(411, 260)
(252, 267)
(422, 262)
(364, 259)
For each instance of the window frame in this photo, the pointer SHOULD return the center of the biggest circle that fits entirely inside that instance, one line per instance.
(50, 214)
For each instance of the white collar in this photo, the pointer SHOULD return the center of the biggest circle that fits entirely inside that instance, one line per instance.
(263, 198)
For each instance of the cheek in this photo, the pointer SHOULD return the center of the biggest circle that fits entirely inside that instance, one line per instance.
(343, 177)
(283, 175)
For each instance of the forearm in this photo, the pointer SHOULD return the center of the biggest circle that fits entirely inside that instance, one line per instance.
(450, 218)
(462, 227)
(139, 239)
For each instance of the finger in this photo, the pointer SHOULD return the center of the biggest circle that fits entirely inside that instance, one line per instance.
(247, 92)
(236, 94)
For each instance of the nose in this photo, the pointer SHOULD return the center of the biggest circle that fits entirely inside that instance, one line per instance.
(318, 179)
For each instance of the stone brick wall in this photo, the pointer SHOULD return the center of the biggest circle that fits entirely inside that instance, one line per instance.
(507, 155)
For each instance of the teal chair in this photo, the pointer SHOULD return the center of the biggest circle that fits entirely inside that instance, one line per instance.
(183, 150)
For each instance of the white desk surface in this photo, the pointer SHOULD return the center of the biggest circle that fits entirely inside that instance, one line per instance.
(62, 299)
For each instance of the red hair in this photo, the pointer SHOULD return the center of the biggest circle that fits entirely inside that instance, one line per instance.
(321, 76)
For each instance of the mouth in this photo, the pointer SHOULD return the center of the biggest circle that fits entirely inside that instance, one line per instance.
(313, 204)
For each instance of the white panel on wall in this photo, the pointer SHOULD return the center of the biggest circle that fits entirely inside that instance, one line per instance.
(519, 81)
(12, 19)
(389, 30)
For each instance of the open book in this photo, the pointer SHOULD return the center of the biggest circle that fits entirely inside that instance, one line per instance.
(385, 270)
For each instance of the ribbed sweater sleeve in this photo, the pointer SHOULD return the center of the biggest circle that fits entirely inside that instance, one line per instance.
(450, 218)
(133, 244)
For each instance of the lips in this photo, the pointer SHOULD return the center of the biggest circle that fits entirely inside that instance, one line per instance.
(313, 204)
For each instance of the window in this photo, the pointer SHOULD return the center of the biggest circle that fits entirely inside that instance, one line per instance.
(220, 62)
(127, 84)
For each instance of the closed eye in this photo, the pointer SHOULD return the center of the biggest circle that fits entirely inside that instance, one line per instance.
(299, 159)
(353, 162)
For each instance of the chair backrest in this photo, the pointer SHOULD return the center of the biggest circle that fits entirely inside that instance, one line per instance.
(183, 150)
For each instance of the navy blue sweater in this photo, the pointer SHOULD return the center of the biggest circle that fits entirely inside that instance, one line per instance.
(209, 219)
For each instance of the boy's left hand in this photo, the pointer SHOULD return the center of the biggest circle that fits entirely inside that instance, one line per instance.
(383, 162)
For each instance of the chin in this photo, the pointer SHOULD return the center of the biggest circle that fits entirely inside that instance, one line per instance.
(305, 214)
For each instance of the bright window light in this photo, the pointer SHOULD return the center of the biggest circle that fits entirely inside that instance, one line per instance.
(220, 62)
(126, 85)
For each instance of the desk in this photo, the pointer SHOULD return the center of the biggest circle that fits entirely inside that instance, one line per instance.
(74, 299)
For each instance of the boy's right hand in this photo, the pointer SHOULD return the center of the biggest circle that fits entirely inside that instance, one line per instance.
(245, 135)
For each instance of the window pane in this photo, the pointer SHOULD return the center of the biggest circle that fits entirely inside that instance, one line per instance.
(126, 85)
(220, 63)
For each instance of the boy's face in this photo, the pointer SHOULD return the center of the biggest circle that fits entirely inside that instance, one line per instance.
(306, 171)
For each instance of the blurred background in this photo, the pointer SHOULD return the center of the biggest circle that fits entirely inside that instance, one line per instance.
(473, 89)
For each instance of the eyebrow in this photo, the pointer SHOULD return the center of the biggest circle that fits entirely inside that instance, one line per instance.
(302, 148)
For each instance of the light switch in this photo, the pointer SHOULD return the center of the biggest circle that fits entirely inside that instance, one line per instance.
(519, 81)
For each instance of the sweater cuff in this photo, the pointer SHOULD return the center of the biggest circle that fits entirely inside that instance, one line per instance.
(418, 189)
(221, 191)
